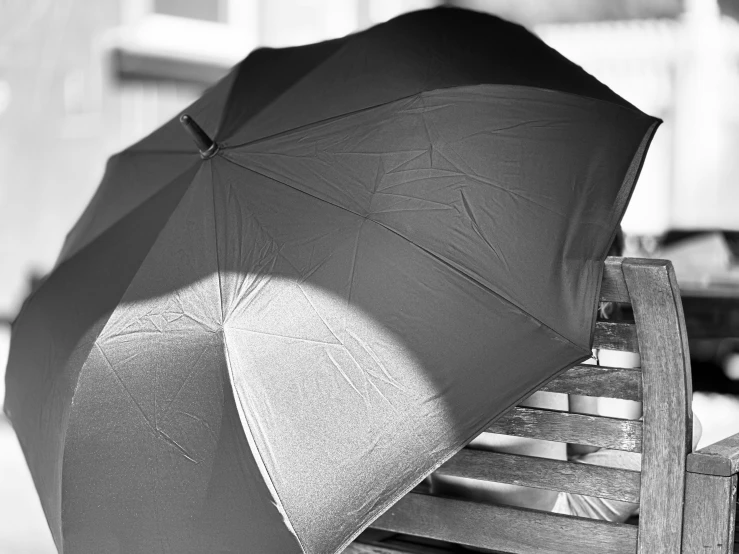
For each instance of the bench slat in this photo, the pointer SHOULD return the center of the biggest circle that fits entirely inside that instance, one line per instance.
(613, 287)
(616, 335)
(663, 381)
(603, 432)
(544, 473)
(505, 528)
(601, 381)
(396, 546)
(361, 548)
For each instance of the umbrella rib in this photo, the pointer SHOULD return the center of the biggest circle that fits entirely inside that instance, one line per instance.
(326, 120)
(476, 281)
(340, 343)
(354, 264)
(81, 248)
(226, 146)
(287, 337)
(423, 93)
(435, 256)
(215, 235)
(254, 446)
(155, 429)
(301, 277)
(194, 369)
(128, 392)
(291, 86)
(241, 165)
(288, 261)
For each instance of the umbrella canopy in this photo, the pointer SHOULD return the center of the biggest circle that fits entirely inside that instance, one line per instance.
(396, 236)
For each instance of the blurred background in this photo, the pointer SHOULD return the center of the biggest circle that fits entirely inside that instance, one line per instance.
(81, 80)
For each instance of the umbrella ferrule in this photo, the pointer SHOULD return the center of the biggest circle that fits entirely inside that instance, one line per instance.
(206, 145)
(210, 152)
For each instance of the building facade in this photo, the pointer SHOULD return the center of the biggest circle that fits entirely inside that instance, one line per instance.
(80, 80)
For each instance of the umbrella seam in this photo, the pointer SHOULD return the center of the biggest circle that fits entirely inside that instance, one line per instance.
(478, 283)
(628, 185)
(301, 278)
(457, 447)
(235, 71)
(348, 41)
(124, 216)
(215, 235)
(95, 199)
(225, 145)
(434, 255)
(285, 91)
(241, 165)
(258, 458)
(63, 445)
(354, 263)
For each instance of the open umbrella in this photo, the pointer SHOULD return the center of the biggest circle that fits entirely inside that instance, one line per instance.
(394, 237)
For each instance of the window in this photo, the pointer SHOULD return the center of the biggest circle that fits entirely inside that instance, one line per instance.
(198, 40)
(204, 10)
(215, 32)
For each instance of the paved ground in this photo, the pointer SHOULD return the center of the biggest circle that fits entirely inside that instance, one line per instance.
(23, 528)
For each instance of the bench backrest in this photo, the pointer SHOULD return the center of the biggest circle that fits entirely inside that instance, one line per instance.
(663, 437)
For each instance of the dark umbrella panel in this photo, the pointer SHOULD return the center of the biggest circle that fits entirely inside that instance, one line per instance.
(395, 237)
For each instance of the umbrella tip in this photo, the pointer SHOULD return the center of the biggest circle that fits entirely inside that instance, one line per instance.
(207, 146)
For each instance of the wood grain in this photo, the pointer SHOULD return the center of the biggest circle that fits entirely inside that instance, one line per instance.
(400, 544)
(613, 288)
(543, 473)
(503, 528)
(616, 335)
(666, 403)
(362, 548)
(599, 381)
(659, 335)
(710, 512)
(720, 458)
(552, 425)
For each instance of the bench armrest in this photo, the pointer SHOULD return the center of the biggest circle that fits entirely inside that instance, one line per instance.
(720, 459)
(710, 498)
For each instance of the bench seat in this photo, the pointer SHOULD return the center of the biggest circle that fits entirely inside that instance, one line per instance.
(687, 500)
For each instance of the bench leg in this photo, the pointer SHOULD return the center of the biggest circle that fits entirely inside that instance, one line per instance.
(710, 512)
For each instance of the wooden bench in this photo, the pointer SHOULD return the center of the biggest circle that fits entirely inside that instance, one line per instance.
(687, 500)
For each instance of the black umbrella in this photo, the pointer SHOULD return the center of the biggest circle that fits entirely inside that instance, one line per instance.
(393, 237)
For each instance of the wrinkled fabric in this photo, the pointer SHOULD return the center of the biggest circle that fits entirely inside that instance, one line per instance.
(401, 236)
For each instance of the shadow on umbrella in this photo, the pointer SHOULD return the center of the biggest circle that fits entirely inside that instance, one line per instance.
(396, 236)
